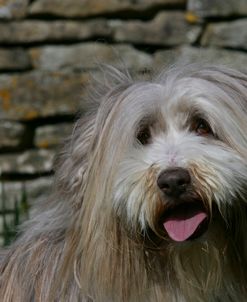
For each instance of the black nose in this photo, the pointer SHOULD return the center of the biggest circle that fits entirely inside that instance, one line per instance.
(173, 182)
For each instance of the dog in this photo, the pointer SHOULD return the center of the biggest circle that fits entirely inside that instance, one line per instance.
(149, 198)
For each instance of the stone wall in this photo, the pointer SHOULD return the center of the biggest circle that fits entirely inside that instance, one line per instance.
(48, 48)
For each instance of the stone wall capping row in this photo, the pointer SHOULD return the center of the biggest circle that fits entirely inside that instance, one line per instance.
(37, 31)
(167, 29)
(171, 25)
(222, 34)
(18, 9)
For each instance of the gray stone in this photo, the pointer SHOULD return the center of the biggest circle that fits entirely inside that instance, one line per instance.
(30, 31)
(165, 29)
(11, 134)
(36, 190)
(34, 94)
(214, 8)
(226, 34)
(28, 162)
(52, 135)
(87, 55)
(183, 55)
(84, 8)
(13, 8)
(14, 59)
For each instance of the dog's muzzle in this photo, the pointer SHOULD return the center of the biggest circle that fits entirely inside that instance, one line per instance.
(185, 217)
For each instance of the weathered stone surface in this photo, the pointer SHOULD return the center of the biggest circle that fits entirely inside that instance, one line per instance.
(52, 135)
(226, 34)
(87, 55)
(83, 8)
(30, 31)
(36, 190)
(34, 94)
(11, 134)
(234, 59)
(206, 8)
(165, 29)
(14, 59)
(13, 8)
(29, 162)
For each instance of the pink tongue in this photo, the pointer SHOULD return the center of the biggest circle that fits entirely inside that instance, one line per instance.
(181, 228)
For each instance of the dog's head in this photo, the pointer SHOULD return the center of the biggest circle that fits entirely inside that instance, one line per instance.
(168, 157)
(155, 184)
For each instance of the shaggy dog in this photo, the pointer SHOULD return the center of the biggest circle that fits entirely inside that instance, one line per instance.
(149, 200)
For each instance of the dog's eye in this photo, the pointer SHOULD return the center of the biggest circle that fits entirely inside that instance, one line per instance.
(201, 127)
(144, 135)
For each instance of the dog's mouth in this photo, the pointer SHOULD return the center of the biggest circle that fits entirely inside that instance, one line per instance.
(186, 221)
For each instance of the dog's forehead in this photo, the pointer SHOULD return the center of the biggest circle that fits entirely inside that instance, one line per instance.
(170, 101)
(175, 102)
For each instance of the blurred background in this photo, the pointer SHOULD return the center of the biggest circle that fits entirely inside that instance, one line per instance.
(48, 49)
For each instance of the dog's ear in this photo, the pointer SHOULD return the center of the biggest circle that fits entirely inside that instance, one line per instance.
(72, 162)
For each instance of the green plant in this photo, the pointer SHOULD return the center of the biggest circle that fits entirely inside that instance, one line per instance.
(13, 217)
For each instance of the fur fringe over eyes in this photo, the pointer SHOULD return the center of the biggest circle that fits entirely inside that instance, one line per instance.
(102, 236)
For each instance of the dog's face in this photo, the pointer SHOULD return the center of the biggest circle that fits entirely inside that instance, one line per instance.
(176, 154)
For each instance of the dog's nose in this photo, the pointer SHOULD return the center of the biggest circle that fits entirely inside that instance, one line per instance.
(173, 182)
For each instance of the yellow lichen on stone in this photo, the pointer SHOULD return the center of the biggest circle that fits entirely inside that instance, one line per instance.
(5, 99)
(3, 2)
(191, 17)
(31, 114)
(43, 144)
